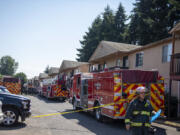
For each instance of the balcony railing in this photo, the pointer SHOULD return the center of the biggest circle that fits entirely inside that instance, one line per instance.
(175, 65)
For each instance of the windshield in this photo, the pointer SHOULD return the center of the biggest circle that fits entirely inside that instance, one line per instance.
(3, 90)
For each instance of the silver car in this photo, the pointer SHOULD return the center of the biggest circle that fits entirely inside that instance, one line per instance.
(1, 114)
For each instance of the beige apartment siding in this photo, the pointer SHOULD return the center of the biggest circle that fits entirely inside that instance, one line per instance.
(153, 61)
(111, 62)
(84, 68)
(177, 46)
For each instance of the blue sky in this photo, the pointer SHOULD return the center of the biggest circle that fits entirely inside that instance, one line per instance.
(37, 33)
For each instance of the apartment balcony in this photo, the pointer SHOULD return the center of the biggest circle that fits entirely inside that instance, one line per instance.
(175, 67)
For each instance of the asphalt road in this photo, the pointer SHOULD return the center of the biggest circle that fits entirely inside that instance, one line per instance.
(68, 124)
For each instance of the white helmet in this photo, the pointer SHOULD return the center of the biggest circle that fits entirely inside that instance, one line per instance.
(140, 89)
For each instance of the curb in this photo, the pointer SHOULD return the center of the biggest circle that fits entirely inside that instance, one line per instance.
(168, 123)
(172, 123)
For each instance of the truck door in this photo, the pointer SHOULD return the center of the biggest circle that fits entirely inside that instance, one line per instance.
(84, 93)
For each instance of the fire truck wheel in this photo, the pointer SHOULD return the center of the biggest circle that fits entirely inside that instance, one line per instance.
(62, 99)
(74, 105)
(98, 114)
(10, 116)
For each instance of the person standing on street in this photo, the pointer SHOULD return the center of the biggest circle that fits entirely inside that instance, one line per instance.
(138, 113)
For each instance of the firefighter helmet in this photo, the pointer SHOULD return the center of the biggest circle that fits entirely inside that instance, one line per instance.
(141, 90)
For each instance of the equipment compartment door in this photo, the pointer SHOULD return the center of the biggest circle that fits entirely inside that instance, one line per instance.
(157, 96)
(84, 93)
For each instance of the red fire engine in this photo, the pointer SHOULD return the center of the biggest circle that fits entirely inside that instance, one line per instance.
(117, 87)
(54, 88)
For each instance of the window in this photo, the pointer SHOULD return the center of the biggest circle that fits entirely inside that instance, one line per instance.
(105, 65)
(166, 53)
(139, 59)
(125, 61)
(118, 62)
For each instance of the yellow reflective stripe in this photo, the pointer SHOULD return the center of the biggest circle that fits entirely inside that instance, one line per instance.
(135, 124)
(145, 113)
(135, 112)
(127, 120)
(138, 124)
(142, 113)
(146, 105)
(147, 125)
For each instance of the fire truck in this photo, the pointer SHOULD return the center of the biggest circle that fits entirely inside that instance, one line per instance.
(113, 90)
(55, 88)
(12, 84)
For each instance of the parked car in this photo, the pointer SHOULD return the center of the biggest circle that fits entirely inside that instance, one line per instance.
(1, 114)
(14, 106)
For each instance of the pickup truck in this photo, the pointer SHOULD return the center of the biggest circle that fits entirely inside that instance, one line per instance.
(14, 106)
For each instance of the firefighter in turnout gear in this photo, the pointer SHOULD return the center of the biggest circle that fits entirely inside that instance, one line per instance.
(138, 113)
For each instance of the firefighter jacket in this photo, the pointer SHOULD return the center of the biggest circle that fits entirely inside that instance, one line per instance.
(138, 113)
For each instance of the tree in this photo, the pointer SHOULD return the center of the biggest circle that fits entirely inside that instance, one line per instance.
(8, 65)
(22, 76)
(102, 28)
(151, 20)
(119, 24)
(107, 27)
(47, 69)
(90, 40)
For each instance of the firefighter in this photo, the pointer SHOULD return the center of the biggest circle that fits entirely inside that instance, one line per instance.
(138, 113)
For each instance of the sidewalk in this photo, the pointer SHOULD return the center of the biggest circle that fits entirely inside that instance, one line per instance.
(169, 122)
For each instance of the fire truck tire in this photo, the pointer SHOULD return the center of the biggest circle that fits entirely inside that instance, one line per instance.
(62, 99)
(11, 116)
(98, 114)
(74, 105)
(47, 95)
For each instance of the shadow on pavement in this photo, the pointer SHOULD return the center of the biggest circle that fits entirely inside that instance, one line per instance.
(19, 125)
(48, 100)
(108, 127)
(88, 121)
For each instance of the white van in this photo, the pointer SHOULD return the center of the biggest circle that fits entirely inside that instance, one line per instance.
(1, 114)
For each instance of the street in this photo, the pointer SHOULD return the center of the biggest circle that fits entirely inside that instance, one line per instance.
(70, 124)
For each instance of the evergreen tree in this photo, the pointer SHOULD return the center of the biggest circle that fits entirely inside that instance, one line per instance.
(107, 27)
(119, 24)
(151, 20)
(90, 40)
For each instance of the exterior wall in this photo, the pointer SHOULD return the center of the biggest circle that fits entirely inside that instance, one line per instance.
(152, 60)
(84, 68)
(111, 62)
(177, 46)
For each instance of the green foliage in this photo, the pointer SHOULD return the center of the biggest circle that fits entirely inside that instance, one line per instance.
(107, 27)
(151, 20)
(22, 76)
(90, 40)
(103, 28)
(119, 25)
(8, 65)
